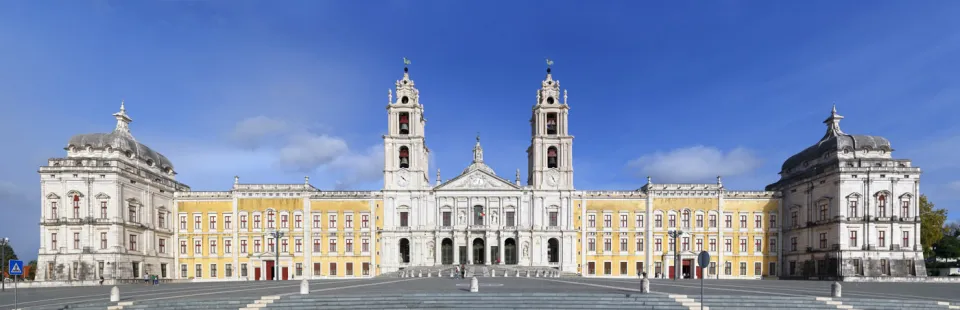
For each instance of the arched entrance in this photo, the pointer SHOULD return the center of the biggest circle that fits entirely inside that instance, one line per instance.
(553, 250)
(510, 251)
(446, 251)
(405, 251)
(478, 250)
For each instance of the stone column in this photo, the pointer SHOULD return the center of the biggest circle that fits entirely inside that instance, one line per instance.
(437, 249)
(501, 246)
(469, 250)
(486, 250)
(456, 251)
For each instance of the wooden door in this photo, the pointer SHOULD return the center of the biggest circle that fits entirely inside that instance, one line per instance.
(270, 271)
(699, 272)
(284, 270)
(256, 273)
(672, 272)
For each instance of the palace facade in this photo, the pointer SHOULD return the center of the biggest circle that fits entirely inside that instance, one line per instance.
(113, 208)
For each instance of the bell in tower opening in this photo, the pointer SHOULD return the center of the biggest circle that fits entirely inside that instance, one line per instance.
(552, 157)
(404, 157)
(404, 123)
(551, 123)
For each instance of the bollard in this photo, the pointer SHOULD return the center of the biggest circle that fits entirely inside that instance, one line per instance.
(645, 286)
(420, 274)
(451, 274)
(835, 289)
(528, 273)
(474, 285)
(517, 275)
(115, 294)
(493, 273)
(304, 287)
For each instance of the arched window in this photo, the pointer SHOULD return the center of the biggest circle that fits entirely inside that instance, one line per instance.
(404, 123)
(882, 205)
(270, 219)
(76, 206)
(404, 157)
(552, 157)
(686, 218)
(551, 123)
(478, 215)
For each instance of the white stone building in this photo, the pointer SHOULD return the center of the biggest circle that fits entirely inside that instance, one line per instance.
(847, 199)
(478, 217)
(106, 209)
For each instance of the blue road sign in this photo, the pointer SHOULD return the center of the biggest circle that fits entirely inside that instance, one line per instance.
(16, 267)
(703, 260)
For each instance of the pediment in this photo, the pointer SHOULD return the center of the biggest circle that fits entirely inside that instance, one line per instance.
(477, 180)
(103, 196)
(52, 196)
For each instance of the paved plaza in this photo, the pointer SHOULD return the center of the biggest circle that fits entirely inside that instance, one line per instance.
(47, 297)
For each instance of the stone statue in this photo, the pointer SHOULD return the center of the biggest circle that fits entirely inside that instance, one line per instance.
(526, 250)
(495, 217)
(432, 253)
(460, 217)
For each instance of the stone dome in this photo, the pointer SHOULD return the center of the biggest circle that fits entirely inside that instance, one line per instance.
(121, 140)
(836, 140)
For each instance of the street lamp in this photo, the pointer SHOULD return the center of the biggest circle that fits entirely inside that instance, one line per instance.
(276, 248)
(675, 234)
(3, 262)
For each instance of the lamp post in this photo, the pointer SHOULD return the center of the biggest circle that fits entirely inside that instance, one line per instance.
(675, 234)
(3, 262)
(276, 264)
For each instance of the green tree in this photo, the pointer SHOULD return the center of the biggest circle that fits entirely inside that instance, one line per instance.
(8, 255)
(931, 225)
(33, 270)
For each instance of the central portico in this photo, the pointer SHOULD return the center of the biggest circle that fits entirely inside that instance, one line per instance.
(478, 217)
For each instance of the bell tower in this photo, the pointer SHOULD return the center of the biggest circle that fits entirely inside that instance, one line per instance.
(405, 150)
(550, 155)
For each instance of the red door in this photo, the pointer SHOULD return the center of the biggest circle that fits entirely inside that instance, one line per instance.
(699, 272)
(284, 273)
(256, 273)
(269, 270)
(672, 272)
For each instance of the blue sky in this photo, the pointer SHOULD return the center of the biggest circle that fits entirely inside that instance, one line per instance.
(274, 91)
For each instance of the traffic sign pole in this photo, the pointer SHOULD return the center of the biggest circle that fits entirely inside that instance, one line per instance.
(703, 260)
(16, 270)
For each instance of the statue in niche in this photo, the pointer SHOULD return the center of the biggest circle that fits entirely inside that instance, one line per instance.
(526, 250)
(460, 217)
(430, 245)
(495, 218)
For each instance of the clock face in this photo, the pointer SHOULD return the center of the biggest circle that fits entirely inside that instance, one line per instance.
(553, 179)
(403, 179)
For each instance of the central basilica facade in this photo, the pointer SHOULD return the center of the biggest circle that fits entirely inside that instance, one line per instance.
(113, 208)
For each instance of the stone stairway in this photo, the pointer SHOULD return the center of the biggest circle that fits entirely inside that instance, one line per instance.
(881, 304)
(182, 304)
(479, 301)
(754, 302)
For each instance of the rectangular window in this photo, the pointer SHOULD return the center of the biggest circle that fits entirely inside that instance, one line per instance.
(639, 221)
(333, 269)
(793, 244)
(298, 221)
(213, 270)
(823, 240)
(882, 235)
(713, 268)
(623, 244)
(699, 245)
(228, 270)
(76, 209)
(699, 220)
(53, 210)
(271, 220)
(773, 269)
(270, 245)
(852, 206)
(316, 246)
(728, 221)
(103, 241)
(757, 268)
(348, 270)
(773, 245)
(853, 239)
(884, 267)
(333, 246)
(671, 244)
(607, 221)
(284, 223)
(227, 222)
(298, 245)
(623, 268)
(882, 206)
(243, 221)
(686, 219)
(607, 268)
(53, 240)
(183, 222)
(743, 221)
(76, 241)
(317, 269)
(713, 221)
(162, 245)
(686, 244)
(213, 223)
(591, 268)
(183, 271)
(348, 245)
(243, 246)
(198, 273)
(348, 221)
(794, 219)
(905, 208)
(511, 218)
(227, 246)
(773, 221)
(906, 239)
(365, 221)
(639, 244)
(103, 209)
(623, 221)
(299, 269)
(256, 245)
(592, 220)
(446, 219)
(592, 245)
(283, 245)
(743, 245)
(196, 222)
(728, 268)
(743, 268)
(658, 220)
(607, 245)
(213, 247)
(256, 221)
(183, 247)
(404, 220)
(332, 221)
(728, 245)
(365, 268)
(133, 243)
(316, 221)
(672, 220)
(553, 219)
(365, 245)
(757, 221)
(758, 245)
(713, 245)
(823, 212)
(658, 245)
(243, 270)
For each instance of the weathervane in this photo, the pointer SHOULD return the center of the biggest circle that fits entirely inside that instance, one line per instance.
(406, 62)
(549, 63)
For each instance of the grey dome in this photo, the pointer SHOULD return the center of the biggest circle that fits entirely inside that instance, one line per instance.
(122, 141)
(836, 140)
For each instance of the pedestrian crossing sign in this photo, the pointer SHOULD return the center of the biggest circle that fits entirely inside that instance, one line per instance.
(16, 267)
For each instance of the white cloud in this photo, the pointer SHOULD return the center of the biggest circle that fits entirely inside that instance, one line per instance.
(360, 168)
(309, 152)
(955, 185)
(251, 132)
(692, 164)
